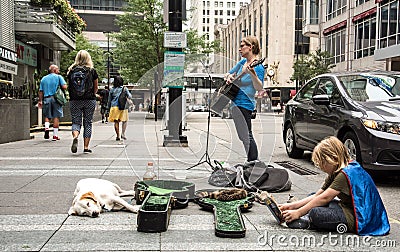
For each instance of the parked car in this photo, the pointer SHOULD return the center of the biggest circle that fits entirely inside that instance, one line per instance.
(362, 109)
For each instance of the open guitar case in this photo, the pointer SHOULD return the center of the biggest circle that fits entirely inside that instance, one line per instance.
(157, 198)
(228, 219)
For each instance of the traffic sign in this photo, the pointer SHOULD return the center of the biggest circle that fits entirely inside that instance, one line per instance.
(175, 40)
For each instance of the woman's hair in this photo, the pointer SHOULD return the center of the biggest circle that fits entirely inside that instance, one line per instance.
(332, 151)
(118, 81)
(82, 58)
(253, 42)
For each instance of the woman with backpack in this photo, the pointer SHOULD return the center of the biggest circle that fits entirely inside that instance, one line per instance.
(82, 87)
(119, 112)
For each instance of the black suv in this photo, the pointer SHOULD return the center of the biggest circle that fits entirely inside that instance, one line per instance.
(362, 109)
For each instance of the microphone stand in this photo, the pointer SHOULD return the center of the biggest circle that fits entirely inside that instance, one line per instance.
(206, 156)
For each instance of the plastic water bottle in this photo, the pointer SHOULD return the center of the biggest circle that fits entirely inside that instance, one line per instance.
(149, 174)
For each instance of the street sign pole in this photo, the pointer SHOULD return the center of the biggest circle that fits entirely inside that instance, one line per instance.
(175, 137)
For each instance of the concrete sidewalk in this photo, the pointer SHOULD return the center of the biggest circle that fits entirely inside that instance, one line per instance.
(38, 178)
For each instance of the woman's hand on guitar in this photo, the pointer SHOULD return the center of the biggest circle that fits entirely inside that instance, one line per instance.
(250, 70)
(229, 78)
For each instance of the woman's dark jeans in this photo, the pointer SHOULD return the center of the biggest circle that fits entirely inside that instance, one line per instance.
(242, 119)
(327, 217)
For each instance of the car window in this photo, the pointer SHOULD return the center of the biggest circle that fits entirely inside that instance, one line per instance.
(336, 97)
(325, 86)
(306, 93)
(370, 87)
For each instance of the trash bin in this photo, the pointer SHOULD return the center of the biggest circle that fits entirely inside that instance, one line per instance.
(160, 111)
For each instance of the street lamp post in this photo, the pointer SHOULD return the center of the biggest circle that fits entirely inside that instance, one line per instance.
(107, 33)
(108, 60)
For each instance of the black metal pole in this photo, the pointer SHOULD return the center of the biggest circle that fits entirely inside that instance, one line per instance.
(108, 60)
(175, 94)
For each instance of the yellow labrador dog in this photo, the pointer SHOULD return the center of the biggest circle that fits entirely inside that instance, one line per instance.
(93, 196)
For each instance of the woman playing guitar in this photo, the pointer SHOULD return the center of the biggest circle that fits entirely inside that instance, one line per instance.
(251, 80)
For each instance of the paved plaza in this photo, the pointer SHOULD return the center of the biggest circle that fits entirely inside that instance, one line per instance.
(38, 178)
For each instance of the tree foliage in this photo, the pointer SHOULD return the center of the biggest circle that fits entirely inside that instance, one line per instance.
(311, 65)
(139, 45)
(97, 54)
(200, 44)
(140, 41)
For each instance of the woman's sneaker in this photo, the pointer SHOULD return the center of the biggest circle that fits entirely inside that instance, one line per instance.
(46, 134)
(74, 147)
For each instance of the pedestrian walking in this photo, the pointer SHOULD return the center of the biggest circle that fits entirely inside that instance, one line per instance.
(52, 110)
(83, 86)
(117, 114)
(244, 102)
(360, 209)
(103, 103)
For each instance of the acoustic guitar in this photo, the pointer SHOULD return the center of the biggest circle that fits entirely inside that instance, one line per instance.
(228, 91)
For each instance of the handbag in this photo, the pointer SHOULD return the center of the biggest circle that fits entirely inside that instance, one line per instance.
(222, 176)
(60, 96)
(122, 98)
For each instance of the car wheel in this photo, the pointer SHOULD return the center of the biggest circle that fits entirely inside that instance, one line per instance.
(290, 144)
(351, 142)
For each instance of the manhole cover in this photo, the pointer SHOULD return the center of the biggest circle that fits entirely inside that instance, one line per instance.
(296, 168)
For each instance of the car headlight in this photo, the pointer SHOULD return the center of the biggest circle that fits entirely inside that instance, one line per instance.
(389, 127)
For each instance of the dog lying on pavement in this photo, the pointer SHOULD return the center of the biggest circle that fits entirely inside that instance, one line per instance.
(93, 196)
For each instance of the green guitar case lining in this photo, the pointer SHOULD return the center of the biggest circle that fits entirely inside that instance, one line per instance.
(228, 219)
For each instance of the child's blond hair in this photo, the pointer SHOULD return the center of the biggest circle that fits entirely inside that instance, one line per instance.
(332, 151)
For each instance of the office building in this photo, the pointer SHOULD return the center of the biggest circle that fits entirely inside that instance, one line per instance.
(360, 35)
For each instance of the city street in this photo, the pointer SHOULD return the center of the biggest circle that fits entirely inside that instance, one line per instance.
(38, 178)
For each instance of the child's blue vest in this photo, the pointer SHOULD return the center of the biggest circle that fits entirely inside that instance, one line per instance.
(370, 214)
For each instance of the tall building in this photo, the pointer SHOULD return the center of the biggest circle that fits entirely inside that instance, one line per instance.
(32, 35)
(360, 35)
(31, 38)
(208, 13)
(8, 59)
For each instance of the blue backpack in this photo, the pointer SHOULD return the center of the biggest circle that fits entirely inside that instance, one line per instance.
(81, 83)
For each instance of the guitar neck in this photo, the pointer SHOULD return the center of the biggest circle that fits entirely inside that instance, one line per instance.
(253, 65)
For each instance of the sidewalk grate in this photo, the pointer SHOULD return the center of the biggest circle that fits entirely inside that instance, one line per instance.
(296, 168)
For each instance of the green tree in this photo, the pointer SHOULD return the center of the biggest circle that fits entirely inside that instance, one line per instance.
(139, 45)
(321, 62)
(302, 70)
(140, 41)
(200, 44)
(97, 54)
(311, 65)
